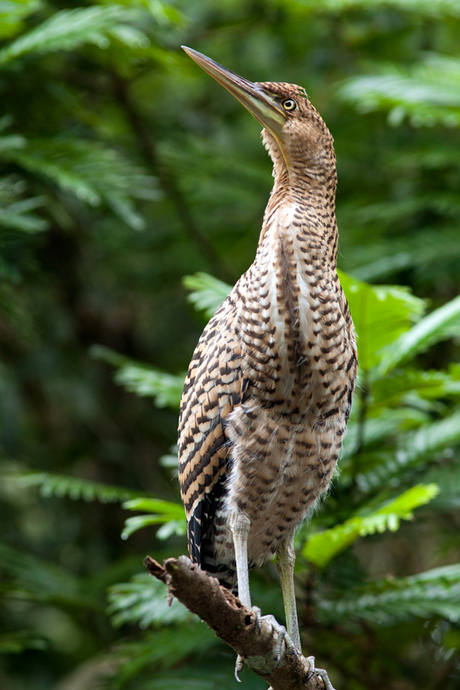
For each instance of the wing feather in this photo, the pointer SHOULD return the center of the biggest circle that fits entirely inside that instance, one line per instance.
(214, 386)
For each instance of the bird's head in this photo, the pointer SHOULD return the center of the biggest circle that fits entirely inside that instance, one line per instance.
(293, 128)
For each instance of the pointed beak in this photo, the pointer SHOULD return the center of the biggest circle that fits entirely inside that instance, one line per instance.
(260, 104)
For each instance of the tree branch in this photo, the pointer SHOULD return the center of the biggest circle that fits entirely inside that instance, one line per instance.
(223, 612)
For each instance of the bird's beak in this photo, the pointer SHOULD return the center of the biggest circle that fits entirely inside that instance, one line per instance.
(263, 106)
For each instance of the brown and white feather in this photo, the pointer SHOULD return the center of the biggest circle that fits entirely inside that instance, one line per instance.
(268, 392)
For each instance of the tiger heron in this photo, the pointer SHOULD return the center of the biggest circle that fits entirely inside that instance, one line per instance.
(268, 392)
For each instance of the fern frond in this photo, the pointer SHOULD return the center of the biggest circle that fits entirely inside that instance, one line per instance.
(61, 485)
(392, 390)
(12, 12)
(17, 642)
(380, 314)
(34, 579)
(441, 324)
(170, 515)
(146, 381)
(415, 450)
(322, 547)
(427, 93)
(93, 172)
(144, 600)
(434, 592)
(16, 213)
(425, 8)
(207, 293)
(69, 29)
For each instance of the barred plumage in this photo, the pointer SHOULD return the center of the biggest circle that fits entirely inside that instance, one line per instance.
(269, 388)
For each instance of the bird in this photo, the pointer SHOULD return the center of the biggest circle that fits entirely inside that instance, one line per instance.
(269, 388)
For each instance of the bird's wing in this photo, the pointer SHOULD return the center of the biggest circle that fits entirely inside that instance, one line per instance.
(214, 386)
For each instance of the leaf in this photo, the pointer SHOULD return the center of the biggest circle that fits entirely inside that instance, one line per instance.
(67, 30)
(29, 578)
(439, 325)
(146, 381)
(424, 8)
(16, 212)
(145, 601)
(433, 592)
(393, 388)
(322, 547)
(17, 642)
(11, 14)
(380, 314)
(170, 515)
(73, 487)
(208, 292)
(415, 449)
(91, 171)
(426, 93)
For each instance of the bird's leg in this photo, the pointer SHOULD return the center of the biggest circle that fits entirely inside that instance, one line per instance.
(240, 525)
(285, 560)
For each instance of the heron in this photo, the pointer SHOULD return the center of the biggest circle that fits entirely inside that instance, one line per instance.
(269, 388)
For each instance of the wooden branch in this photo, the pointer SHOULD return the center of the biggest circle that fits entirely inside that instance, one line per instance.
(223, 612)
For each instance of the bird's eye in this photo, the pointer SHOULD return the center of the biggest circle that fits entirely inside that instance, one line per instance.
(289, 104)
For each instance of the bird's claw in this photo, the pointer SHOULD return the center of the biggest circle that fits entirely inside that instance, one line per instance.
(238, 667)
(319, 672)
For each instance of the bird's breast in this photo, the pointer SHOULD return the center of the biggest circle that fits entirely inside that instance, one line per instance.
(293, 322)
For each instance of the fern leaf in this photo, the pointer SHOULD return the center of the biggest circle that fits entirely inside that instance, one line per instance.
(207, 292)
(16, 213)
(439, 325)
(425, 8)
(75, 488)
(91, 171)
(34, 579)
(434, 592)
(165, 388)
(12, 13)
(17, 642)
(427, 93)
(170, 515)
(144, 600)
(415, 449)
(145, 381)
(67, 30)
(391, 390)
(322, 547)
(380, 314)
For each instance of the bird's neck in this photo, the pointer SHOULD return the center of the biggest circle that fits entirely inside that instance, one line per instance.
(302, 202)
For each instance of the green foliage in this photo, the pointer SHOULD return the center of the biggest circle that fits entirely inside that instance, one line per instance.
(431, 593)
(170, 515)
(124, 168)
(439, 325)
(380, 314)
(207, 293)
(69, 29)
(320, 548)
(427, 93)
(75, 488)
(166, 389)
(144, 600)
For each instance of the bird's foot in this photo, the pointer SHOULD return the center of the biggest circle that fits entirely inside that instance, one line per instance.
(319, 672)
(284, 643)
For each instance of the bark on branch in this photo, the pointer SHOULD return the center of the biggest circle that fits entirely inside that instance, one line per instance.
(236, 625)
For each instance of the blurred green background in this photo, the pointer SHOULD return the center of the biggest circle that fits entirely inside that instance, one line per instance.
(124, 168)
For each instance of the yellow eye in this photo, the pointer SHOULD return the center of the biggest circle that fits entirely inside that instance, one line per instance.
(289, 104)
